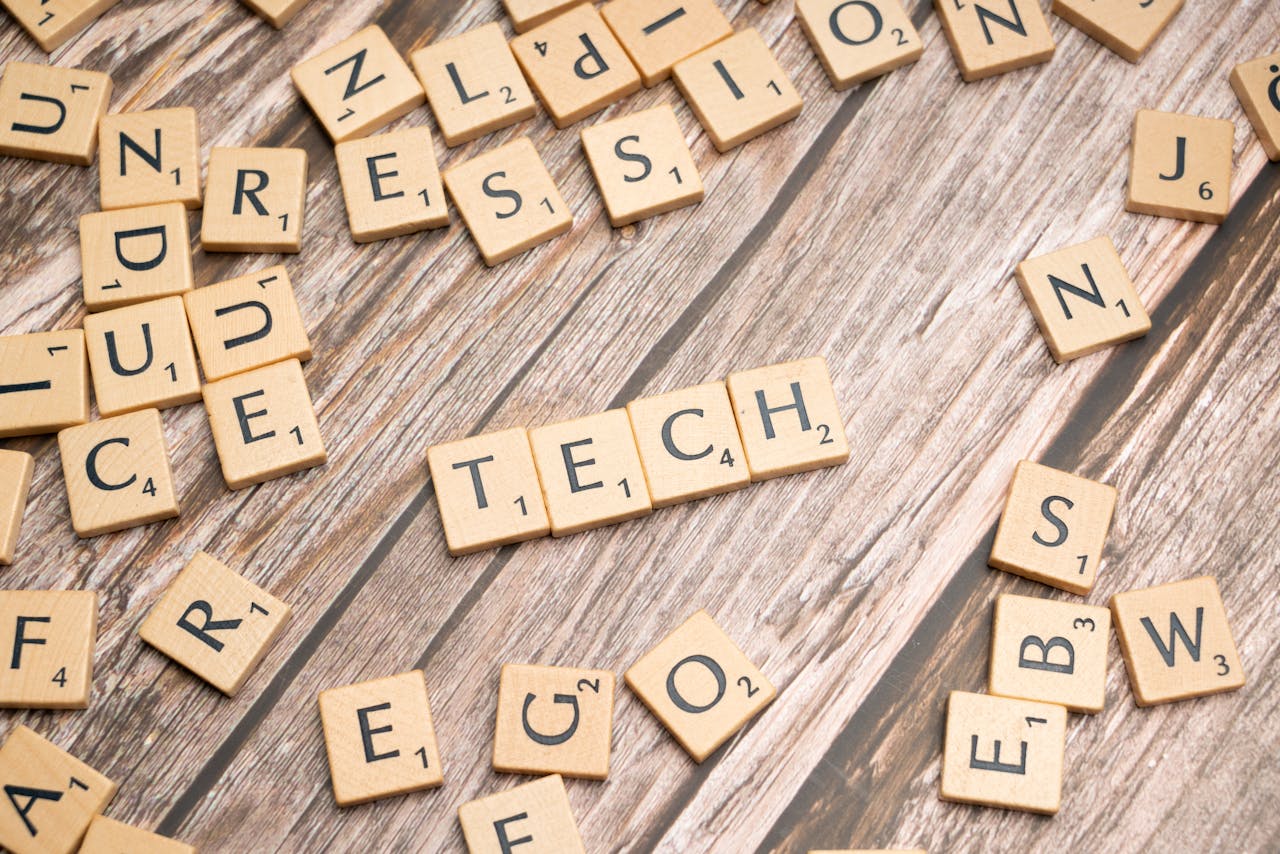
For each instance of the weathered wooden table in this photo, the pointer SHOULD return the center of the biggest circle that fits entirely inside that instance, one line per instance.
(879, 229)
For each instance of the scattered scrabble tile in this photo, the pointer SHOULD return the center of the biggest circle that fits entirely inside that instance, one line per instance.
(642, 165)
(16, 469)
(277, 13)
(873, 851)
(1003, 753)
(1257, 85)
(247, 322)
(1180, 166)
(1053, 527)
(391, 185)
(128, 256)
(215, 623)
(473, 84)
(689, 444)
(149, 158)
(1050, 651)
(788, 418)
(590, 472)
(488, 491)
(554, 720)
(254, 200)
(700, 685)
(53, 22)
(857, 40)
(1126, 28)
(1083, 299)
(263, 424)
(526, 14)
(575, 65)
(990, 37)
(380, 739)
(657, 34)
(44, 382)
(1176, 641)
(535, 815)
(737, 89)
(53, 795)
(358, 85)
(117, 473)
(508, 200)
(108, 836)
(141, 357)
(46, 641)
(52, 113)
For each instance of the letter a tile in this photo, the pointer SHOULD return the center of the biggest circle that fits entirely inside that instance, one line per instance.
(16, 468)
(535, 817)
(990, 37)
(107, 836)
(554, 720)
(53, 795)
(254, 200)
(135, 254)
(1180, 166)
(859, 40)
(46, 642)
(1050, 651)
(44, 382)
(52, 113)
(1257, 85)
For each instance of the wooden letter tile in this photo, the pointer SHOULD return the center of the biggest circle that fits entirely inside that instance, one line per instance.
(1128, 27)
(141, 357)
(53, 795)
(117, 473)
(277, 13)
(52, 22)
(535, 816)
(1257, 85)
(264, 425)
(788, 418)
(657, 34)
(873, 851)
(1050, 651)
(1180, 166)
(857, 40)
(1083, 299)
(590, 472)
(700, 685)
(554, 720)
(16, 468)
(108, 836)
(215, 623)
(380, 739)
(488, 492)
(358, 85)
(575, 65)
(1003, 753)
(473, 84)
(254, 200)
(1053, 527)
(990, 37)
(44, 382)
(46, 643)
(391, 185)
(526, 14)
(1176, 641)
(52, 113)
(135, 254)
(642, 165)
(508, 200)
(248, 322)
(149, 158)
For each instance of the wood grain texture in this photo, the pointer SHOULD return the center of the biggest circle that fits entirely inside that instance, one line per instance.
(879, 229)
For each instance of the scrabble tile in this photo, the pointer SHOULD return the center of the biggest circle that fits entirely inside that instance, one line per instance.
(16, 469)
(737, 89)
(487, 490)
(141, 357)
(391, 185)
(1180, 166)
(575, 65)
(535, 816)
(1176, 642)
(527, 14)
(657, 34)
(700, 685)
(642, 165)
(857, 40)
(52, 22)
(380, 739)
(1050, 651)
(359, 85)
(1083, 299)
(590, 472)
(1003, 753)
(128, 256)
(990, 37)
(54, 795)
(1257, 85)
(149, 158)
(44, 382)
(215, 623)
(247, 322)
(263, 424)
(689, 444)
(873, 851)
(46, 641)
(1128, 27)
(554, 720)
(788, 418)
(52, 113)
(254, 200)
(508, 200)
(277, 13)
(473, 84)
(108, 836)
(117, 473)
(1053, 527)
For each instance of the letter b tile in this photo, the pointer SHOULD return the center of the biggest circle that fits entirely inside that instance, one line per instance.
(1050, 651)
